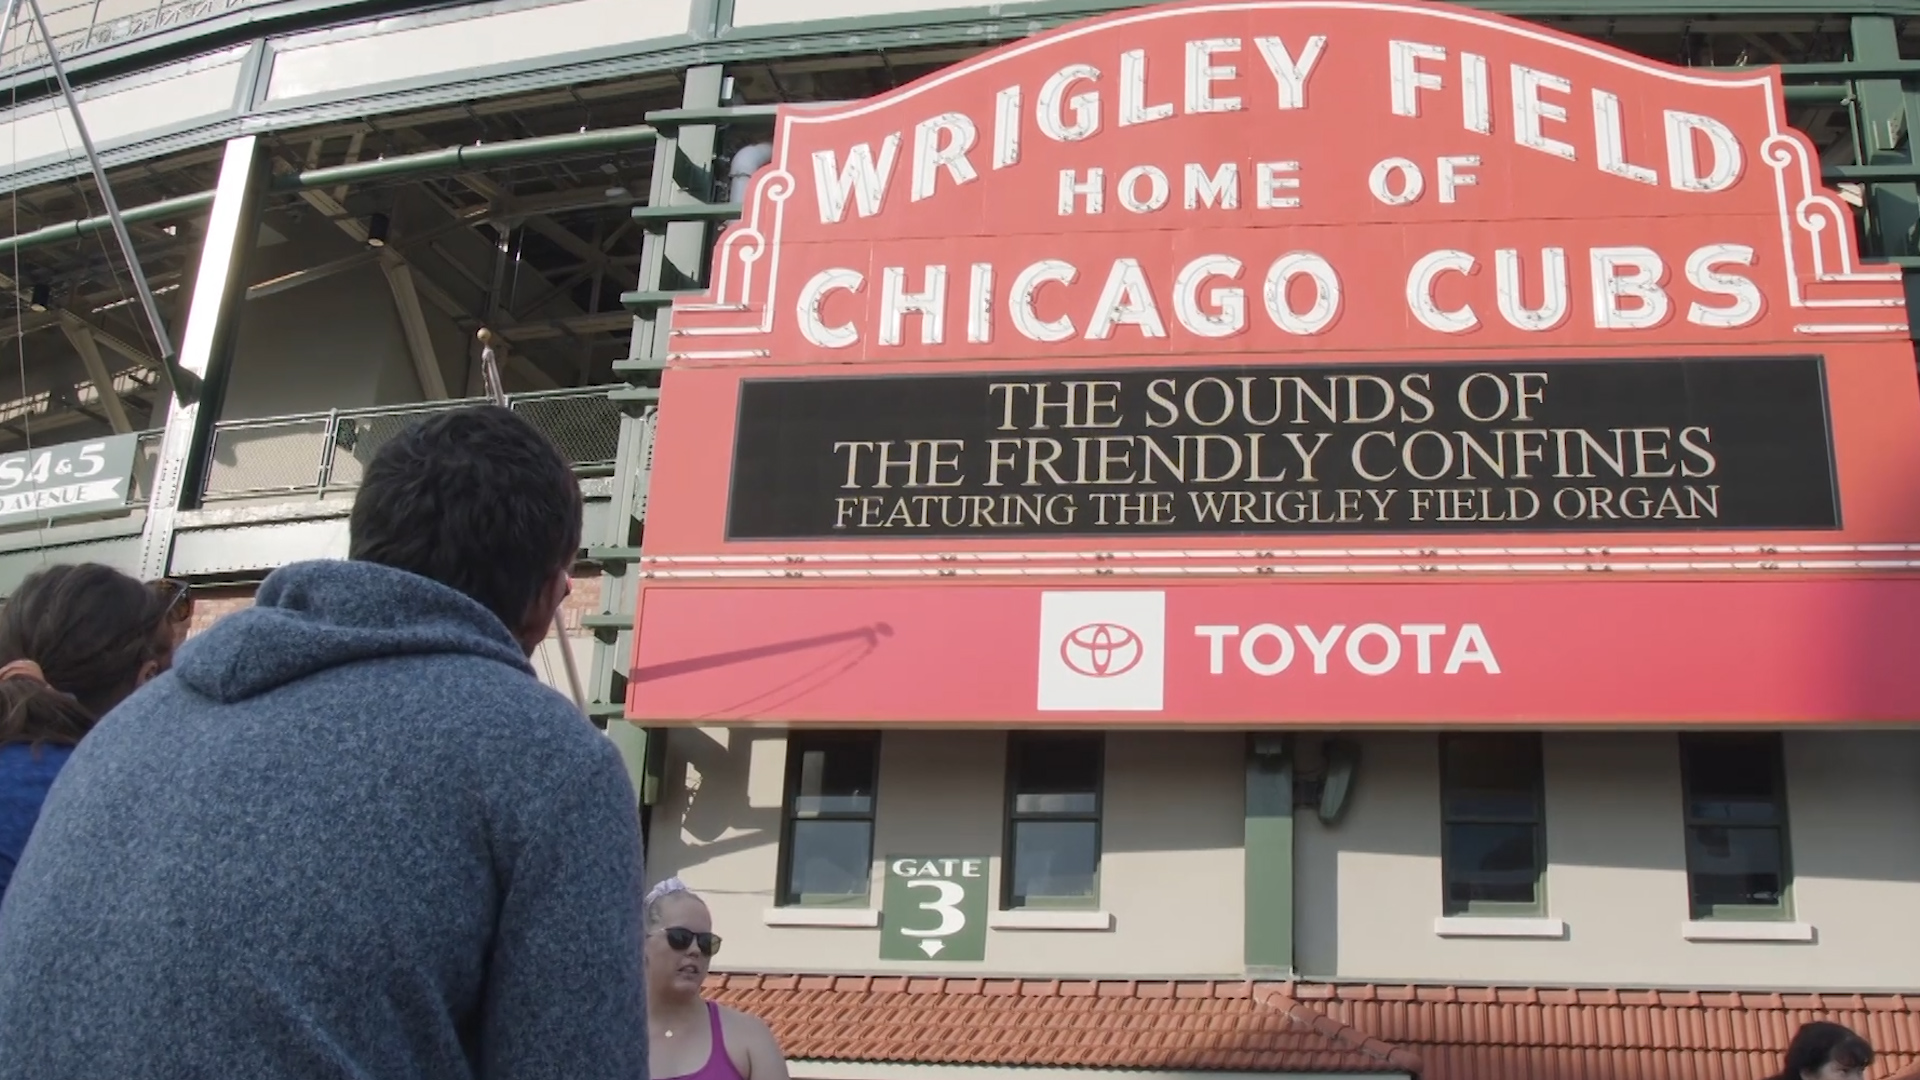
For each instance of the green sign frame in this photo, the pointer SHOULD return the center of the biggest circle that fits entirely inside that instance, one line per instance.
(52, 482)
(934, 907)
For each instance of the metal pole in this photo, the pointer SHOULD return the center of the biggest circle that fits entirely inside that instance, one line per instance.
(6, 24)
(177, 380)
(496, 391)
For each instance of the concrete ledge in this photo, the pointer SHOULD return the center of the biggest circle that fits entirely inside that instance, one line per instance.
(1495, 927)
(1025, 919)
(847, 918)
(1717, 930)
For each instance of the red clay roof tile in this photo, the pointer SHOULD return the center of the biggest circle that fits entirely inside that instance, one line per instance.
(1622, 1035)
(1011, 1022)
(1433, 1032)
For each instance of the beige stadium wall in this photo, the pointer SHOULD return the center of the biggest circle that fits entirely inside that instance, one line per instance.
(1171, 872)
(1369, 888)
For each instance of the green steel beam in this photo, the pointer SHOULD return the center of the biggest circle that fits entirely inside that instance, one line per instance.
(1269, 856)
(448, 161)
(719, 114)
(631, 741)
(674, 248)
(1874, 63)
(1893, 204)
(678, 212)
(886, 32)
(1819, 95)
(1852, 69)
(635, 395)
(1872, 174)
(640, 301)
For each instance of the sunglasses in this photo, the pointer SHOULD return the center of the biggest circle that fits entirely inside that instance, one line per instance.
(680, 939)
(179, 599)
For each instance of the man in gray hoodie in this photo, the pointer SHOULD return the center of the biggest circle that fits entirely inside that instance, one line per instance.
(350, 834)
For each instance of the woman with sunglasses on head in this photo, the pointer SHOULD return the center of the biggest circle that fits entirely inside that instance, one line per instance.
(689, 1037)
(74, 642)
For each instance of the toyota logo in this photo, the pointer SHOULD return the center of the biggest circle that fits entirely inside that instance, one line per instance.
(1101, 650)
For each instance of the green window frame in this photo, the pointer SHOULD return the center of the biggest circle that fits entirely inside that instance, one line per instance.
(1734, 807)
(827, 819)
(1052, 846)
(1493, 825)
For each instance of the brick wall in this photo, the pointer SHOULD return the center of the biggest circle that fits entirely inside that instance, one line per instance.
(213, 604)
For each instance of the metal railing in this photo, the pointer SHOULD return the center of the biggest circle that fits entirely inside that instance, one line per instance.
(146, 461)
(322, 453)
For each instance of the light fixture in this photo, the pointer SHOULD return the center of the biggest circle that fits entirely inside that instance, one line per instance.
(377, 231)
(42, 296)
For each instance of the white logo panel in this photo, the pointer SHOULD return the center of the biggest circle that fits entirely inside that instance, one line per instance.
(1102, 651)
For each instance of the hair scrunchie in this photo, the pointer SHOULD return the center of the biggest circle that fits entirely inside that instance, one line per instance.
(23, 669)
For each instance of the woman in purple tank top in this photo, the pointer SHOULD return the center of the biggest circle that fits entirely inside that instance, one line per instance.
(690, 1037)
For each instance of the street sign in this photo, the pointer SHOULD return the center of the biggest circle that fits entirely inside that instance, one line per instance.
(62, 481)
(934, 908)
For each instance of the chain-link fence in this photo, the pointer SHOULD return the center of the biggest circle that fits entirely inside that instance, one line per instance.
(586, 429)
(146, 461)
(323, 452)
(265, 457)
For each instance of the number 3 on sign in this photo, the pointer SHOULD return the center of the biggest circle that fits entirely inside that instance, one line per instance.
(952, 919)
(951, 887)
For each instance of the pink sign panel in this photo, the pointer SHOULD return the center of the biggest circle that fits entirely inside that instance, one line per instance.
(1551, 652)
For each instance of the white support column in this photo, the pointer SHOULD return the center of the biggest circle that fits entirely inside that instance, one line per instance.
(206, 348)
(81, 337)
(413, 323)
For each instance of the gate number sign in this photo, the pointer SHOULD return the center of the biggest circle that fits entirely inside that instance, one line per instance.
(934, 908)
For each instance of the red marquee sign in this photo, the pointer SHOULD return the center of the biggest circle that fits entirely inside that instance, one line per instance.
(1358, 329)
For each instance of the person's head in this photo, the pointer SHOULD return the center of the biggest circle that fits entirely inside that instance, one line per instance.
(680, 941)
(74, 642)
(478, 500)
(1826, 1051)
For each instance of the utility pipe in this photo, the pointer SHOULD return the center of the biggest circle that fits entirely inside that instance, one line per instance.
(74, 230)
(454, 159)
(747, 160)
(458, 159)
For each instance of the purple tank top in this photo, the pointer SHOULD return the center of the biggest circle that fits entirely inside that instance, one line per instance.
(719, 1066)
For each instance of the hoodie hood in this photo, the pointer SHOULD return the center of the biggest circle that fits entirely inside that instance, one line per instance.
(308, 617)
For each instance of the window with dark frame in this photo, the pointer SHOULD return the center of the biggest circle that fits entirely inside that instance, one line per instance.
(1053, 821)
(1734, 790)
(1493, 850)
(826, 848)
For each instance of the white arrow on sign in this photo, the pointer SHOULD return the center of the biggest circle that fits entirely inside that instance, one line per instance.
(932, 948)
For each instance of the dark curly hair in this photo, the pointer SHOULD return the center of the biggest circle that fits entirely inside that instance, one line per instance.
(90, 629)
(1820, 1043)
(477, 499)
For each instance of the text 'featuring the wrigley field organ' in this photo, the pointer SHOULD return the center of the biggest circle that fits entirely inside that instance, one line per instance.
(1681, 445)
